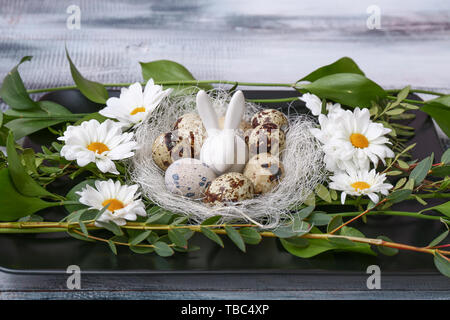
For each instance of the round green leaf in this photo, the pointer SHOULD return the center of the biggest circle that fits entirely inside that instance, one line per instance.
(349, 89)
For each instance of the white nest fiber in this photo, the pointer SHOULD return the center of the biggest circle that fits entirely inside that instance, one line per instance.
(302, 160)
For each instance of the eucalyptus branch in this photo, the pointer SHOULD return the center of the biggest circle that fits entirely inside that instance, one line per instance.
(358, 216)
(434, 195)
(394, 213)
(46, 227)
(115, 242)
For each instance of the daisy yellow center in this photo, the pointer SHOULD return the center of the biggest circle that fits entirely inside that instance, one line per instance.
(137, 110)
(360, 185)
(98, 147)
(359, 140)
(114, 204)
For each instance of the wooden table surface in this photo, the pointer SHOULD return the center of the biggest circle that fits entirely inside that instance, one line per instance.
(264, 41)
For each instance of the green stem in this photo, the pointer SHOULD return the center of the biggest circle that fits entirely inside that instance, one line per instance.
(407, 100)
(183, 82)
(393, 213)
(365, 201)
(418, 91)
(273, 100)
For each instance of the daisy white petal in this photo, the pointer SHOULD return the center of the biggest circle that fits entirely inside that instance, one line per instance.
(122, 201)
(360, 182)
(312, 102)
(98, 143)
(134, 104)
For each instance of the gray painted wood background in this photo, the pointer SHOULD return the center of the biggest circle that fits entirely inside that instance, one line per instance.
(266, 41)
(255, 40)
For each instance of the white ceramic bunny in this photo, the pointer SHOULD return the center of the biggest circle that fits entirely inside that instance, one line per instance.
(224, 150)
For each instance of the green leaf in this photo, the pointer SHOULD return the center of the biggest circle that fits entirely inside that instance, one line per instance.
(207, 232)
(111, 226)
(112, 246)
(161, 216)
(21, 179)
(421, 170)
(23, 123)
(439, 110)
(387, 251)
(305, 212)
(442, 264)
(235, 236)
(13, 91)
(297, 242)
(358, 247)
(166, 70)
(79, 236)
(446, 157)
(141, 250)
(399, 195)
(315, 247)
(442, 208)
(342, 242)
(163, 249)
(394, 173)
(250, 235)
(177, 238)
(334, 223)
(400, 183)
(349, 89)
(94, 91)
(292, 229)
(323, 193)
(438, 239)
(83, 228)
(139, 237)
(319, 218)
(343, 65)
(211, 220)
(443, 171)
(403, 94)
(31, 218)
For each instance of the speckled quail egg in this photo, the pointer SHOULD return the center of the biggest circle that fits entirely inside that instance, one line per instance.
(266, 138)
(162, 149)
(270, 116)
(189, 178)
(189, 129)
(189, 121)
(265, 171)
(229, 187)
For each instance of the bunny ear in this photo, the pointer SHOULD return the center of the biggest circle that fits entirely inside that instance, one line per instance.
(235, 111)
(206, 112)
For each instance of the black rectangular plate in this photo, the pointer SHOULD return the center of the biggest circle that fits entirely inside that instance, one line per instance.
(52, 253)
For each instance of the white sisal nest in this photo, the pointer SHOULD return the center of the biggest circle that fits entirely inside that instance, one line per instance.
(302, 160)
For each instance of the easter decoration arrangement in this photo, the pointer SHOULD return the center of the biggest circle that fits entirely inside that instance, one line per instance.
(171, 157)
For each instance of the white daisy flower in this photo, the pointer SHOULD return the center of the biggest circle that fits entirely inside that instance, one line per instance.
(134, 106)
(98, 143)
(352, 139)
(361, 182)
(334, 109)
(313, 103)
(122, 199)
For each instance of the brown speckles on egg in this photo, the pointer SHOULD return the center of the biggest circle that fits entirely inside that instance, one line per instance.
(265, 171)
(270, 116)
(229, 187)
(266, 138)
(161, 149)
